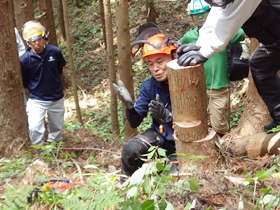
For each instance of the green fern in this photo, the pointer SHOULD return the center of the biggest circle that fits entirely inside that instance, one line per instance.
(84, 194)
(15, 197)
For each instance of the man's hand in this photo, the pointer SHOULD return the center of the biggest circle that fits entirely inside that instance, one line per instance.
(191, 58)
(123, 94)
(158, 111)
(184, 48)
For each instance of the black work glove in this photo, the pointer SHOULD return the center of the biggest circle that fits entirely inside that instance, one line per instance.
(123, 94)
(183, 48)
(158, 111)
(191, 58)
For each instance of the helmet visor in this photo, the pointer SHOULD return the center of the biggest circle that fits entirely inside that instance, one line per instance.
(36, 36)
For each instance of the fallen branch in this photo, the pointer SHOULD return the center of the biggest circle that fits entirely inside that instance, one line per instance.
(79, 170)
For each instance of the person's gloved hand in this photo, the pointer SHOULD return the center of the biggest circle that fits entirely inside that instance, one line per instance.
(184, 48)
(191, 58)
(123, 94)
(158, 111)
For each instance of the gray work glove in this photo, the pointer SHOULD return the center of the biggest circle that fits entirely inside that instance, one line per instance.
(189, 55)
(184, 48)
(158, 111)
(123, 94)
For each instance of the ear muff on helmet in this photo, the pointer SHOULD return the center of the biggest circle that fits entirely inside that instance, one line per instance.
(33, 30)
(219, 3)
(158, 44)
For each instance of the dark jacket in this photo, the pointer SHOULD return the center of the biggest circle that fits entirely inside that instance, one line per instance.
(135, 116)
(41, 73)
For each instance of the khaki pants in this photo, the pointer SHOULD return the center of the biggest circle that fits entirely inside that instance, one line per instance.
(36, 111)
(218, 109)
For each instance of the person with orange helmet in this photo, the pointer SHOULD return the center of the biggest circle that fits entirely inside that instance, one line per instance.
(154, 98)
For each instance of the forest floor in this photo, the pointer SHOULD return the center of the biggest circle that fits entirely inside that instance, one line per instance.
(218, 189)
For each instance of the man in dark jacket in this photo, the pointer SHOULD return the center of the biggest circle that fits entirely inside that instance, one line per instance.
(259, 19)
(154, 97)
(41, 67)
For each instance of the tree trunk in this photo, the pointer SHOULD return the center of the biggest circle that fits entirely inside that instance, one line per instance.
(151, 12)
(125, 66)
(71, 62)
(61, 24)
(78, 2)
(102, 17)
(253, 146)
(189, 111)
(112, 68)
(47, 20)
(255, 114)
(13, 121)
(24, 12)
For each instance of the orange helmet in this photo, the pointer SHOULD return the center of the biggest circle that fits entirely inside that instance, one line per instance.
(157, 44)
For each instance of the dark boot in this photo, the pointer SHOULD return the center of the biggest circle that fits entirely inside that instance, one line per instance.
(269, 126)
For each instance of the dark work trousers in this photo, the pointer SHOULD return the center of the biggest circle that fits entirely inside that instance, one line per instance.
(134, 148)
(264, 65)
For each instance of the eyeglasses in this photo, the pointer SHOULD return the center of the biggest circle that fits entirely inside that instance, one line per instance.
(200, 15)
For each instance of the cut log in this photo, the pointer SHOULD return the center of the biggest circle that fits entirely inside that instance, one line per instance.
(254, 146)
(189, 101)
(189, 110)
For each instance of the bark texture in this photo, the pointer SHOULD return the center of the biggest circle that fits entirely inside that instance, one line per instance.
(124, 59)
(253, 146)
(189, 111)
(24, 12)
(112, 67)
(13, 121)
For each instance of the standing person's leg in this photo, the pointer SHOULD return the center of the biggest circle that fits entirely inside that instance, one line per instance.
(55, 120)
(134, 148)
(264, 65)
(36, 111)
(219, 109)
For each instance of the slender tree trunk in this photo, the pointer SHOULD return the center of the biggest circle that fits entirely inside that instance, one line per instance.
(102, 17)
(125, 66)
(78, 2)
(61, 24)
(47, 20)
(189, 111)
(71, 62)
(151, 12)
(13, 121)
(112, 68)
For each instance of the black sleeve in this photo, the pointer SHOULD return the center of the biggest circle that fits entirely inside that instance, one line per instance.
(133, 118)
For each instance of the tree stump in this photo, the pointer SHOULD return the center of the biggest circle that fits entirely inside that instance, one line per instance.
(189, 110)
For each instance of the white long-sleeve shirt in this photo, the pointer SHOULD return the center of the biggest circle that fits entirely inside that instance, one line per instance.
(20, 44)
(221, 24)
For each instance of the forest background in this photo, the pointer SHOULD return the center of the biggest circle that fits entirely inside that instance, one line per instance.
(90, 152)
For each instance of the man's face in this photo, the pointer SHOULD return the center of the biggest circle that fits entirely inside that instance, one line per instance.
(38, 45)
(157, 66)
(200, 18)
